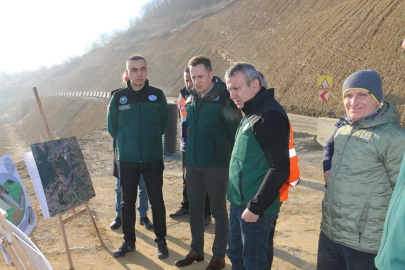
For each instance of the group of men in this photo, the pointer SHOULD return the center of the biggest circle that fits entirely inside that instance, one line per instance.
(247, 162)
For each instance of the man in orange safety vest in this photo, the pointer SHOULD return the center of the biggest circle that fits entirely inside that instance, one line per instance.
(292, 181)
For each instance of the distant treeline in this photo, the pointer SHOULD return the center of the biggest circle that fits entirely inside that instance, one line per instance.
(179, 12)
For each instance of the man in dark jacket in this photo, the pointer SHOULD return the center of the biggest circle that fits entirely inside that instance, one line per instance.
(259, 167)
(143, 205)
(181, 108)
(136, 119)
(212, 119)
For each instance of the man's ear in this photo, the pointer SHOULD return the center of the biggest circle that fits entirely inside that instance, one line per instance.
(256, 85)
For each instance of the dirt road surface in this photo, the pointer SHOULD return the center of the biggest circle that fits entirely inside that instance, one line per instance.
(296, 232)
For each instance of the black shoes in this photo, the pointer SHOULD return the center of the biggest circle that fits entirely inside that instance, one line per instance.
(124, 248)
(180, 212)
(162, 251)
(191, 257)
(144, 221)
(116, 223)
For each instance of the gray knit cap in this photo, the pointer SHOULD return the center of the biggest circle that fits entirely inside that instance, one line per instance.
(368, 80)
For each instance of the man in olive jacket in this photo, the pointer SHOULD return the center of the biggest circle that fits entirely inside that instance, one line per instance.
(368, 150)
(212, 119)
(136, 119)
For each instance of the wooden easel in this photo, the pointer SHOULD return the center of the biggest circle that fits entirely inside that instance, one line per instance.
(12, 246)
(75, 214)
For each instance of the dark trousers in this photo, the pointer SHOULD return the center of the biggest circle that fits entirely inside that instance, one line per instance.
(334, 256)
(271, 243)
(184, 203)
(152, 173)
(214, 181)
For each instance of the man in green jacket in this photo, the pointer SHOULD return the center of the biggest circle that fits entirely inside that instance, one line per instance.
(136, 119)
(212, 119)
(259, 167)
(392, 250)
(368, 150)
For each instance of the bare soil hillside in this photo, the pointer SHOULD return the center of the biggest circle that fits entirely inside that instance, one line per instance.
(291, 42)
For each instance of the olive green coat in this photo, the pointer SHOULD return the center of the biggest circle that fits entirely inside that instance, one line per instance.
(365, 166)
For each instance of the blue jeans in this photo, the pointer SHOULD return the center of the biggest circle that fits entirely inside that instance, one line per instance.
(334, 256)
(248, 243)
(143, 205)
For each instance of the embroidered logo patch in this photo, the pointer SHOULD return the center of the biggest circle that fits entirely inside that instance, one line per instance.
(246, 126)
(123, 100)
(152, 98)
(124, 107)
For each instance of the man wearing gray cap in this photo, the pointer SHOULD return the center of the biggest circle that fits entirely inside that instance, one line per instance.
(368, 150)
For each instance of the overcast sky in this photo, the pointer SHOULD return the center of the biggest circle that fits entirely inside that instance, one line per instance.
(36, 33)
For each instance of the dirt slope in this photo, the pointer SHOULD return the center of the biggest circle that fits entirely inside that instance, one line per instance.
(292, 42)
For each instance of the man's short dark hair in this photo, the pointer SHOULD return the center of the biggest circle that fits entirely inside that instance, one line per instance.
(135, 57)
(248, 70)
(200, 59)
(187, 70)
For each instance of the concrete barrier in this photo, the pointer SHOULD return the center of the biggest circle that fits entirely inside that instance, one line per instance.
(326, 127)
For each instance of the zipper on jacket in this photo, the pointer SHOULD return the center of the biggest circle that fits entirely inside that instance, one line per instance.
(215, 146)
(140, 129)
(195, 127)
(240, 186)
(331, 188)
(361, 227)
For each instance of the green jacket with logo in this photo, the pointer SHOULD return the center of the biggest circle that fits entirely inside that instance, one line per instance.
(137, 121)
(365, 166)
(260, 162)
(212, 122)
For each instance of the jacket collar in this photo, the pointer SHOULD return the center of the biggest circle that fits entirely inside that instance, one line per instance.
(388, 113)
(254, 102)
(218, 87)
(184, 92)
(146, 85)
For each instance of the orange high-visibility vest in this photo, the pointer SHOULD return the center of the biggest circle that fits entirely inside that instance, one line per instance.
(181, 105)
(294, 178)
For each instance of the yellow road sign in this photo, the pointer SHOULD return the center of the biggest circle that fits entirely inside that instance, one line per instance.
(325, 82)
